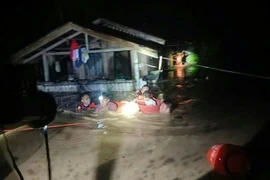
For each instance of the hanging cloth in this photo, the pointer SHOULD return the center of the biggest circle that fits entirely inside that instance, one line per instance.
(57, 66)
(78, 61)
(74, 54)
(84, 55)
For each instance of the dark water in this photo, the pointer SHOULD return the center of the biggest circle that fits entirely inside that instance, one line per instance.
(253, 93)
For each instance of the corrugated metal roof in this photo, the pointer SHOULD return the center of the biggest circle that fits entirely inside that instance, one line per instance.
(62, 34)
(129, 31)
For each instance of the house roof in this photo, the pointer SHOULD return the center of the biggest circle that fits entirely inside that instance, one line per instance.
(129, 31)
(67, 32)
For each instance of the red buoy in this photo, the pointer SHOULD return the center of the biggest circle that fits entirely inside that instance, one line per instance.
(228, 159)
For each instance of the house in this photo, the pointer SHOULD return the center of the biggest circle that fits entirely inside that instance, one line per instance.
(115, 62)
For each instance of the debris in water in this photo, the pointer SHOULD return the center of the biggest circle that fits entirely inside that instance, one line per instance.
(100, 125)
(186, 101)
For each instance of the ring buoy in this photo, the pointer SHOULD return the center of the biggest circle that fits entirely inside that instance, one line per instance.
(228, 159)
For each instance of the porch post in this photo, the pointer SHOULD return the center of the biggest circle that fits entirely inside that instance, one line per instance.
(135, 68)
(86, 68)
(160, 63)
(45, 68)
(86, 42)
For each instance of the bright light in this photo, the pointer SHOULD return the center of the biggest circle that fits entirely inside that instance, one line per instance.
(45, 128)
(100, 98)
(130, 108)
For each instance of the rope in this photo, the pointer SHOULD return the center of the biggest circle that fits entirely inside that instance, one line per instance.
(224, 70)
(233, 72)
(48, 127)
(45, 133)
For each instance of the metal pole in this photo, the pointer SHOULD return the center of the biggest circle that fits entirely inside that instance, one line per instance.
(45, 132)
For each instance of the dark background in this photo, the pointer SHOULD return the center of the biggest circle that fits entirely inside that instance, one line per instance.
(239, 28)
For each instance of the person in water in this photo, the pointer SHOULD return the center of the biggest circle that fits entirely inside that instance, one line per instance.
(140, 93)
(106, 104)
(86, 103)
(165, 108)
(148, 100)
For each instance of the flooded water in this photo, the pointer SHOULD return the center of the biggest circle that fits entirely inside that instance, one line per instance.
(193, 112)
(112, 146)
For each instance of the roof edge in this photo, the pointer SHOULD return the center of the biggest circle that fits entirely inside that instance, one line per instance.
(129, 30)
(42, 41)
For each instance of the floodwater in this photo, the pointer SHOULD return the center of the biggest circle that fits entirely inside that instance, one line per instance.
(112, 146)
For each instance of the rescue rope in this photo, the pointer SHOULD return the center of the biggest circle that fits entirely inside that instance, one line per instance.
(45, 133)
(48, 127)
(223, 70)
(233, 72)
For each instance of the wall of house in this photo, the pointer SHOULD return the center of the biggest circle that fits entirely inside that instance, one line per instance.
(94, 66)
(122, 65)
(108, 65)
(102, 65)
(59, 87)
(143, 60)
(81, 72)
(115, 85)
(108, 60)
(100, 85)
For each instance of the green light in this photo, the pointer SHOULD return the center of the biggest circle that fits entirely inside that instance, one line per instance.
(191, 70)
(191, 60)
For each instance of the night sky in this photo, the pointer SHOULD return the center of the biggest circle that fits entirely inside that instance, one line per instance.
(241, 28)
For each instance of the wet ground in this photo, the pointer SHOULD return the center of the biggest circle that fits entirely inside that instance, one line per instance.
(111, 146)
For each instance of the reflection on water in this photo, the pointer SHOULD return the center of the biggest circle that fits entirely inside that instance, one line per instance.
(172, 90)
(181, 71)
(115, 147)
(179, 122)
